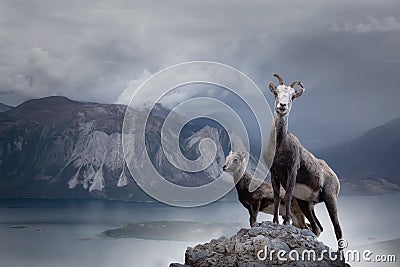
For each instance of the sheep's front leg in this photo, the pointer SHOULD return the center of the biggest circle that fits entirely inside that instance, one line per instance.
(253, 211)
(276, 185)
(291, 182)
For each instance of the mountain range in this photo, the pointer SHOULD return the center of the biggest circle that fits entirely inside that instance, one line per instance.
(369, 162)
(4, 107)
(55, 147)
(59, 148)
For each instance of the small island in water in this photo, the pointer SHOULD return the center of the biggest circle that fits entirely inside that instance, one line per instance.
(174, 230)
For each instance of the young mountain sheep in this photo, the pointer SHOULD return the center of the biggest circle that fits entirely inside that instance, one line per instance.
(308, 179)
(262, 198)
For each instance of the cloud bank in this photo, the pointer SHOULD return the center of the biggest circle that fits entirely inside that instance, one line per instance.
(373, 25)
(101, 50)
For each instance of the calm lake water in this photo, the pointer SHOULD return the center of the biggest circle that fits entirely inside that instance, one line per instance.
(67, 232)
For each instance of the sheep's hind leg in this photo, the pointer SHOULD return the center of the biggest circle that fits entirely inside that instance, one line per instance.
(330, 203)
(297, 215)
(307, 207)
(316, 219)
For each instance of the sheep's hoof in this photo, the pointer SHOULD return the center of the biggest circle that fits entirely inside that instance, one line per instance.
(276, 221)
(317, 231)
(286, 220)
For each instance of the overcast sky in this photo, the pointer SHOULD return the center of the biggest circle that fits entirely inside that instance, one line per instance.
(345, 52)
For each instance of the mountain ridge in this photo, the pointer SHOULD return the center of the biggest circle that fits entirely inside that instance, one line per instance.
(368, 163)
(4, 107)
(60, 148)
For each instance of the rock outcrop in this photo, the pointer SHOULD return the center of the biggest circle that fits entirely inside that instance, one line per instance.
(261, 246)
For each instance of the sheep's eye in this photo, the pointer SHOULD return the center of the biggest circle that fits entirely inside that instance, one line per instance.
(235, 160)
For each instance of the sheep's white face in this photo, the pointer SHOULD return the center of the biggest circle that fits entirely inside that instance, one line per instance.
(234, 162)
(284, 96)
(283, 99)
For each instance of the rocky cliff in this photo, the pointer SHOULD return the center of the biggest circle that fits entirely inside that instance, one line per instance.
(248, 247)
(56, 147)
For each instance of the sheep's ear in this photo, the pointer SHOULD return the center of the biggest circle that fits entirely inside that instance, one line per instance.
(243, 156)
(272, 88)
(299, 92)
(230, 153)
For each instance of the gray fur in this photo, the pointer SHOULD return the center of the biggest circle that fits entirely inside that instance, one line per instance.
(297, 169)
(262, 198)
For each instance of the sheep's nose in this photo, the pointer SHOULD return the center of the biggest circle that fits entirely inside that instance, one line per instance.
(224, 168)
(282, 104)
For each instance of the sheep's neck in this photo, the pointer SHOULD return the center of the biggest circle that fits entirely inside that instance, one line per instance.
(237, 175)
(281, 127)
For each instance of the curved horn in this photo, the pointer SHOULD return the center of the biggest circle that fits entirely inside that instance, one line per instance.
(293, 85)
(279, 78)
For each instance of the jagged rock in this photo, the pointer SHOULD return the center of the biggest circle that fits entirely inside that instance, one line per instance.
(243, 248)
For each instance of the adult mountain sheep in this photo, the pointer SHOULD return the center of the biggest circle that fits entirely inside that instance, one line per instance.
(309, 179)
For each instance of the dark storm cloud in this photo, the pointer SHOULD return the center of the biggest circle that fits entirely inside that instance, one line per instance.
(345, 52)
